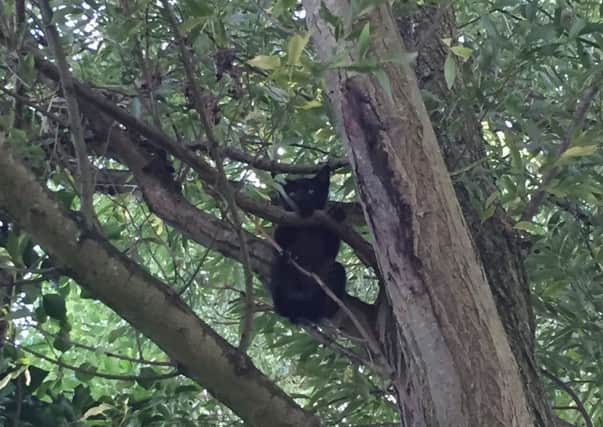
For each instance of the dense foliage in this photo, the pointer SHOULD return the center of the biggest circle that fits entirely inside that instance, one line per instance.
(526, 67)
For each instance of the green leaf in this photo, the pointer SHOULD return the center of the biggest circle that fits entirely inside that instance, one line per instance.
(450, 70)
(200, 8)
(88, 374)
(265, 62)
(66, 198)
(364, 39)
(578, 25)
(295, 48)
(27, 69)
(314, 103)
(462, 51)
(578, 151)
(192, 23)
(54, 306)
(15, 246)
(530, 227)
(385, 83)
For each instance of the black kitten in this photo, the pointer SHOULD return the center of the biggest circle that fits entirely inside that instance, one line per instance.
(296, 295)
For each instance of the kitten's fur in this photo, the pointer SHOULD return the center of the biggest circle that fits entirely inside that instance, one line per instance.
(296, 295)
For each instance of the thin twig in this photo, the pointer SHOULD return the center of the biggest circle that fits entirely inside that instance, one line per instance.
(92, 372)
(354, 357)
(27, 101)
(106, 353)
(19, 20)
(208, 175)
(200, 264)
(77, 131)
(223, 184)
(578, 123)
(273, 165)
(580, 407)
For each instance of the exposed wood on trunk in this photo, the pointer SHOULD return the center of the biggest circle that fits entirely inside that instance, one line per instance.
(459, 135)
(460, 369)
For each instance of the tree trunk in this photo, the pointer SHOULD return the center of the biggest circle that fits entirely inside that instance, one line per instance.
(459, 136)
(458, 366)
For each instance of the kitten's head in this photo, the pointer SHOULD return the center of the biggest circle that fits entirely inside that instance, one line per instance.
(307, 194)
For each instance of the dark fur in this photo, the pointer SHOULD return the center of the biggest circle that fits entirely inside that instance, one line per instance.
(295, 295)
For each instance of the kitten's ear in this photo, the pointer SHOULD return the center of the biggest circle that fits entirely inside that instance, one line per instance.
(323, 174)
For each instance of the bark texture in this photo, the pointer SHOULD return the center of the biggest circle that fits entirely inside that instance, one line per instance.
(149, 305)
(459, 366)
(459, 135)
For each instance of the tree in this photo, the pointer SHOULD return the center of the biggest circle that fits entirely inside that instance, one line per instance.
(137, 109)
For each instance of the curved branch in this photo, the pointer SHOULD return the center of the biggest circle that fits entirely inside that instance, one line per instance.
(363, 249)
(147, 304)
(579, 405)
(172, 208)
(273, 165)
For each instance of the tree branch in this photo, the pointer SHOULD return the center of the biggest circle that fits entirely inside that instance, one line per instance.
(361, 247)
(270, 165)
(578, 123)
(77, 131)
(147, 304)
(223, 185)
(92, 372)
(580, 406)
(106, 353)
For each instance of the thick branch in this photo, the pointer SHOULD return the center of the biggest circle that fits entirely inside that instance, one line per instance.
(149, 305)
(200, 226)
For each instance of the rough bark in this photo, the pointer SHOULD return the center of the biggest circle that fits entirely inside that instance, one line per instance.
(149, 305)
(459, 366)
(459, 136)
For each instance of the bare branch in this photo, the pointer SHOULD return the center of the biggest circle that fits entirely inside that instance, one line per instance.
(572, 394)
(77, 131)
(224, 185)
(361, 247)
(273, 165)
(92, 372)
(106, 353)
